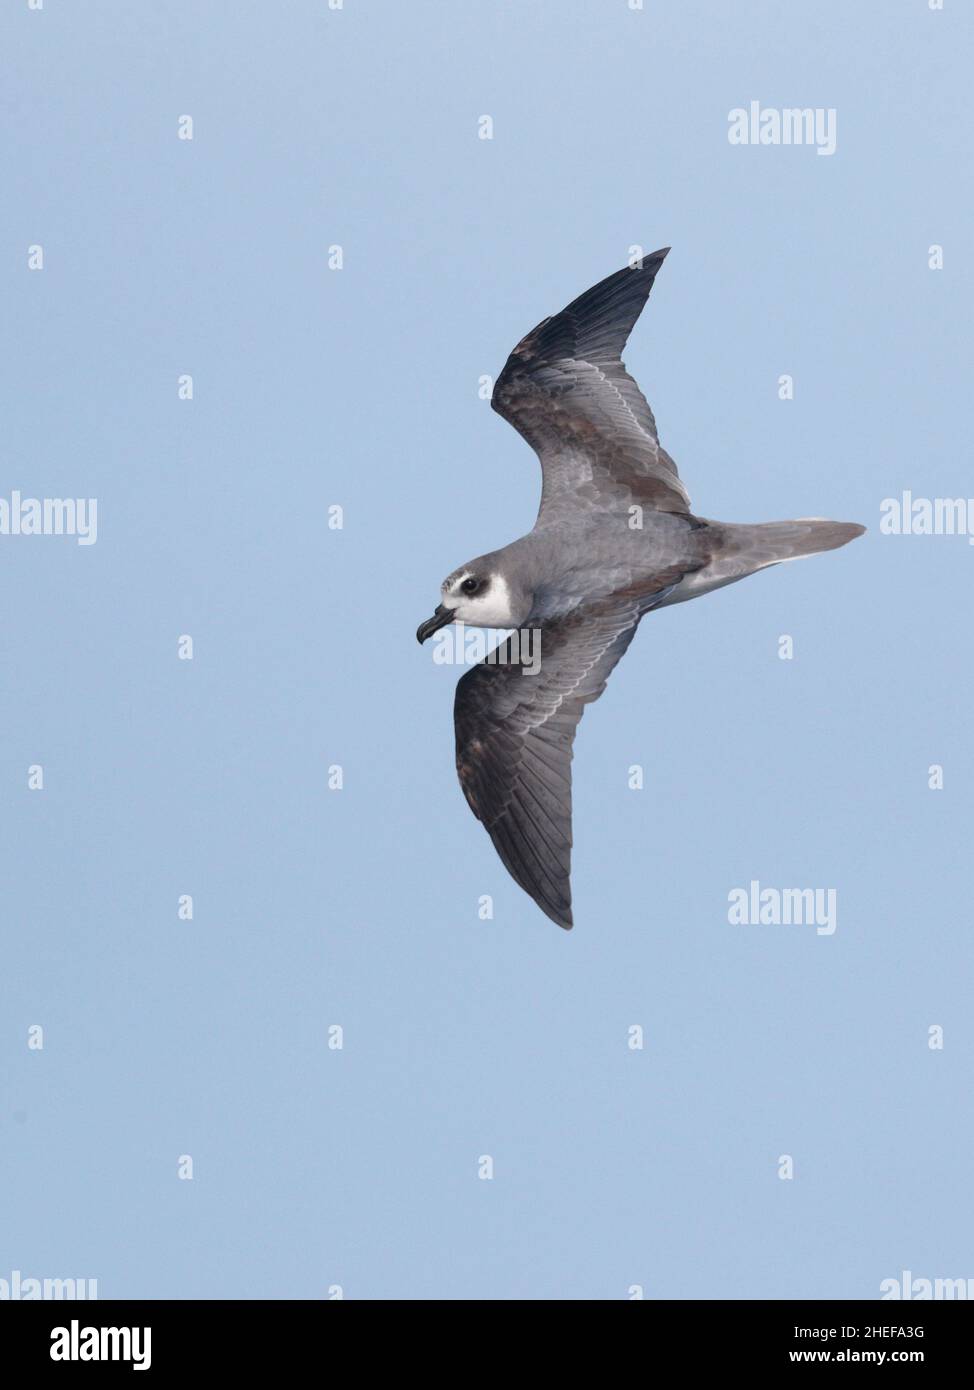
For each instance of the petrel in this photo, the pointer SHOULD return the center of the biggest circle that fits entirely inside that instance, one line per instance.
(615, 538)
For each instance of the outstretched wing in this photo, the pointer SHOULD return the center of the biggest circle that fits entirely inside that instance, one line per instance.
(566, 390)
(514, 743)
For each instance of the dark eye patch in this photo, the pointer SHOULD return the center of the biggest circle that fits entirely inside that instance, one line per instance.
(470, 586)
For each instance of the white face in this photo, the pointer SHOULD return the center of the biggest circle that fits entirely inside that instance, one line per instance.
(480, 600)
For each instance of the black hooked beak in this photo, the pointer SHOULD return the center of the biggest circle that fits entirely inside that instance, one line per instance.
(440, 618)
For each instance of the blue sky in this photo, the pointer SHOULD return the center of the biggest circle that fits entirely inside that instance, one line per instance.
(316, 1167)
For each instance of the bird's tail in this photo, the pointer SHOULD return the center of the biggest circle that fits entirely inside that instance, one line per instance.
(770, 542)
(737, 551)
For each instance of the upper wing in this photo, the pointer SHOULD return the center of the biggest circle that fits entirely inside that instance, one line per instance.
(514, 744)
(565, 389)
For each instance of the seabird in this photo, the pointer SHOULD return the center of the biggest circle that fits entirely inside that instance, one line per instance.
(615, 538)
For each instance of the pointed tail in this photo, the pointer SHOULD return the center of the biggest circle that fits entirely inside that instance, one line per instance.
(770, 542)
(737, 551)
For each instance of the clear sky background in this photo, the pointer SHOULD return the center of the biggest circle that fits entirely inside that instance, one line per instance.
(316, 1167)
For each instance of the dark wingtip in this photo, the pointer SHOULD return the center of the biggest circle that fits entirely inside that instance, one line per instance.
(560, 918)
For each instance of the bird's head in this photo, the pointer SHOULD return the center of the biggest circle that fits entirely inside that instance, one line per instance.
(480, 595)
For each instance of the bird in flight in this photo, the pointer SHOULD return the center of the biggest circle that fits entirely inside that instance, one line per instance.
(614, 539)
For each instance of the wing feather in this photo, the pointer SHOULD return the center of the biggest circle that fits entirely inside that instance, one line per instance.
(515, 734)
(565, 389)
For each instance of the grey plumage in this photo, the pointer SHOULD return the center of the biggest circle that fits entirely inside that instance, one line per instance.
(614, 538)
